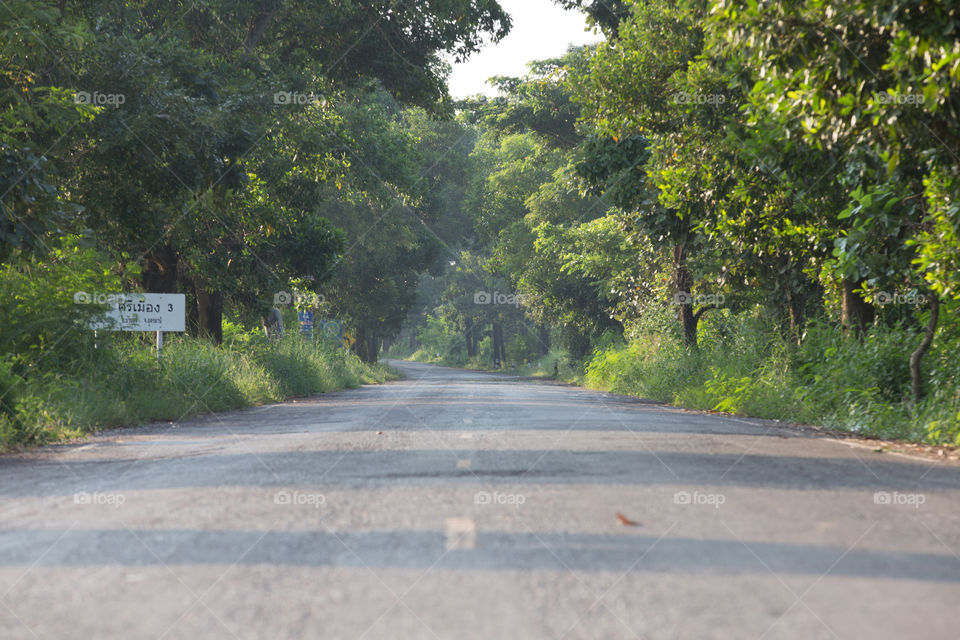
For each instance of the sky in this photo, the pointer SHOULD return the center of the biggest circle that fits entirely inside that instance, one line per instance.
(540, 30)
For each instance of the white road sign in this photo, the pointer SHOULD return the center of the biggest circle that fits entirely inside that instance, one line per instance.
(141, 312)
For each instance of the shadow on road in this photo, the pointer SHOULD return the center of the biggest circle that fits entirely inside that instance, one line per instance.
(495, 551)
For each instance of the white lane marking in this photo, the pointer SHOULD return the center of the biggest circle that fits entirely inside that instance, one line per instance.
(461, 533)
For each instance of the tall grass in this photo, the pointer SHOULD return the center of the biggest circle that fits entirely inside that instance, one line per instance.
(744, 366)
(122, 383)
(58, 380)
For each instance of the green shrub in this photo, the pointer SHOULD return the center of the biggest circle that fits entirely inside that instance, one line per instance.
(121, 382)
(11, 391)
(40, 323)
(743, 365)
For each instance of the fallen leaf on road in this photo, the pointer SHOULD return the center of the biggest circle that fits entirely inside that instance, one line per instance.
(624, 520)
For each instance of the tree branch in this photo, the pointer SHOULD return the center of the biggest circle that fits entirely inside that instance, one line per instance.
(702, 310)
(258, 26)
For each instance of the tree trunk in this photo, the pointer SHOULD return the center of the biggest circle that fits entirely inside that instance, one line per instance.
(470, 341)
(916, 382)
(159, 272)
(857, 313)
(503, 348)
(797, 319)
(373, 349)
(543, 335)
(497, 349)
(683, 282)
(210, 315)
(366, 345)
(360, 344)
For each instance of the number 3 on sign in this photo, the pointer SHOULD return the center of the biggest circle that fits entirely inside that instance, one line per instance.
(170, 308)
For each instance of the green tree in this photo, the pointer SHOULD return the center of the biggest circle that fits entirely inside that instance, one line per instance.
(636, 98)
(875, 87)
(172, 172)
(38, 115)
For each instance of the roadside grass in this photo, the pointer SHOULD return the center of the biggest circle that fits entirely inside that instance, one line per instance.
(59, 380)
(121, 383)
(742, 367)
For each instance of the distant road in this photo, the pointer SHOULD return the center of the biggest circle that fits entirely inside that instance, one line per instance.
(460, 505)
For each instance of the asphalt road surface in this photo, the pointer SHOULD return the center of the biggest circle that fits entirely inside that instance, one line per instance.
(458, 505)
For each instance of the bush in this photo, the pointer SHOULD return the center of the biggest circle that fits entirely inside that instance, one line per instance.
(39, 320)
(10, 397)
(743, 365)
(122, 383)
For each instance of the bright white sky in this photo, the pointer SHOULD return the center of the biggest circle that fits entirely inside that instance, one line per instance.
(541, 30)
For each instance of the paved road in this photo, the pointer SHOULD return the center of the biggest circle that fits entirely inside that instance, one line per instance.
(461, 505)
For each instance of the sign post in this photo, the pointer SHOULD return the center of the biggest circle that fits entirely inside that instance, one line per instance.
(306, 323)
(157, 312)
